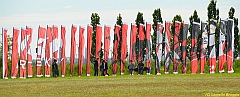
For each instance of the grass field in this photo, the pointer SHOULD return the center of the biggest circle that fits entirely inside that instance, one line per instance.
(126, 85)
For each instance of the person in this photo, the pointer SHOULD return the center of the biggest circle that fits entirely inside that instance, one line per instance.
(101, 68)
(131, 67)
(96, 67)
(55, 68)
(105, 68)
(140, 68)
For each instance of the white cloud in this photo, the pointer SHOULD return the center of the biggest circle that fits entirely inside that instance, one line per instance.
(67, 6)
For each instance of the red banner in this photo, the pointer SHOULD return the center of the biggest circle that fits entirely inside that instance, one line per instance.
(148, 47)
(177, 53)
(15, 53)
(63, 48)
(5, 54)
(132, 54)
(29, 52)
(80, 50)
(55, 43)
(48, 51)
(106, 42)
(98, 43)
(89, 45)
(194, 58)
(23, 53)
(204, 44)
(41, 38)
(141, 41)
(124, 47)
(115, 48)
(167, 47)
(73, 48)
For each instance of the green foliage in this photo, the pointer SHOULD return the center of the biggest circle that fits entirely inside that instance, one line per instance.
(157, 18)
(139, 20)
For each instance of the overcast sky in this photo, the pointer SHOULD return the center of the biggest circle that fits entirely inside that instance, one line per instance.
(22, 13)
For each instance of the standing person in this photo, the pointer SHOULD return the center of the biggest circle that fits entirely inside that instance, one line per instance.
(131, 67)
(102, 67)
(96, 67)
(105, 68)
(140, 68)
(55, 68)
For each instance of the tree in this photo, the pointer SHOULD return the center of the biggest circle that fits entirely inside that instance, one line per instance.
(139, 20)
(95, 20)
(236, 30)
(193, 18)
(9, 51)
(157, 18)
(175, 18)
(119, 22)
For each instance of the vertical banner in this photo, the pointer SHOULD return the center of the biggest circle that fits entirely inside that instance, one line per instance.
(133, 36)
(23, 53)
(80, 50)
(124, 47)
(14, 70)
(177, 53)
(48, 51)
(148, 47)
(184, 48)
(204, 44)
(141, 41)
(159, 45)
(41, 39)
(5, 53)
(98, 43)
(212, 50)
(89, 45)
(167, 47)
(194, 58)
(63, 48)
(230, 44)
(106, 42)
(29, 52)
(115, 48)
(222, 45)
(55, 43)
(73, 48)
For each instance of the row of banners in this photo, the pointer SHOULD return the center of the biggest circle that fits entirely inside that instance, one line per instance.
(226, 48)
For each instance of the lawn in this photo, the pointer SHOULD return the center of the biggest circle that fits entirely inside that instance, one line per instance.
(126, 85)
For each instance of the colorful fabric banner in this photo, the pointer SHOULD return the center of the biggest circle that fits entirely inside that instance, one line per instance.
(133, 35)
(159, 47)
(15, 53)
(5, 53)
(212, 51)
(177, 53)
(73, 48)
(41, 39)
(148, 47)
(55, 43)
(141, 41)
(194, 58)
(80, 50)
(124, 47)
(167, 47)
(48, 51)
(204, 44)
(106, 42)
(184, 48)
(89, 45)
(23, 53)
(230, 45)
(29, 52)
(63, 48)
(98, 44)
(115, 48)
(222, 45)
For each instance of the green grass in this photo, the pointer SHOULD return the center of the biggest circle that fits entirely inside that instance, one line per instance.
(126, 85)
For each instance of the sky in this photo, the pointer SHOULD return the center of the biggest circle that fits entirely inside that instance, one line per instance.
(32, 13)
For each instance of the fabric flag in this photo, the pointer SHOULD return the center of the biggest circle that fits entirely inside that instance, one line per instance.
(48, 51)
(89, 46)
(29, 52)
(133, 43)
(106, 42)
(159, 42)
(212, 51)
(15, 53)
(63, 48)
(115, 48)
(23, 53)
(55, 43)
(222, 45)
(167, 47)
(41, 38)
(80, 50)
(177, 53)
(194, 58)
(73, 48)
(148, 47)
(98, 43)
(204, 43)
(184, 47)
(141, 41)
(124, 47)
(5, 53)
(230, 44)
